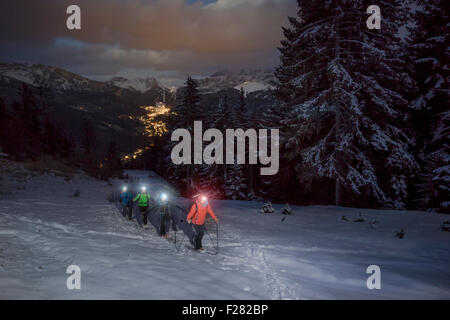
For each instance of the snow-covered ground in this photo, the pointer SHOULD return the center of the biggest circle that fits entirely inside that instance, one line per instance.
(313, 254)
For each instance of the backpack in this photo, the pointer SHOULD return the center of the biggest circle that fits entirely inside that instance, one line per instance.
(143, 198)
(194, 203)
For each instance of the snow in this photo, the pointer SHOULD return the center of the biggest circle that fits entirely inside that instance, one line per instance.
(20, 75)
(251, 80)
(40, 75)
(312, 254)
(140, 85)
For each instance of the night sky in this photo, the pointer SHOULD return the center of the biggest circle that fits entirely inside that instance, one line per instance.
(169, 39)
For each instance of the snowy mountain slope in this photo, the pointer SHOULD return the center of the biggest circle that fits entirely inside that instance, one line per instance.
(39, 75)
(313, 254)
(60, 79)
(46, 76)
(140, 85)
(251, 86)
(256, 79)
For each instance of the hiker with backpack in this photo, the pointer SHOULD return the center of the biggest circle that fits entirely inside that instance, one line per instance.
(126, 198)
(143, 200)
(197, 216)
(165, 217)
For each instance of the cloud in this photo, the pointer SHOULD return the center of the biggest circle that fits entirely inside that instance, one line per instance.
(154, 34)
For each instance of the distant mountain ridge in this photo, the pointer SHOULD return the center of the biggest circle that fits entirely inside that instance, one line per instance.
(115, 106)
(39, 75)
(250, 80)
(140, 85)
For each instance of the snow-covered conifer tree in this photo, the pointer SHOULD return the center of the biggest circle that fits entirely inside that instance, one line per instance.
(342, 85)
(429, 56)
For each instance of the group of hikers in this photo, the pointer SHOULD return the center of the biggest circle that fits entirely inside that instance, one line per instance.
(196, 216)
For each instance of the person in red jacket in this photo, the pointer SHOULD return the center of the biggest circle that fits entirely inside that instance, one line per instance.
(197, 216)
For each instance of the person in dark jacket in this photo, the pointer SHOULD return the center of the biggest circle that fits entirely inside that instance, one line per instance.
(125, 198)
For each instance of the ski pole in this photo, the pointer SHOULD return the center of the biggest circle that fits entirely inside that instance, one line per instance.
(217, 234)
(210, 238)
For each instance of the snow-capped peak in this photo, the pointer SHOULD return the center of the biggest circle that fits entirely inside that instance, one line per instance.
(250, 80)
(253, 86)
(141, 85)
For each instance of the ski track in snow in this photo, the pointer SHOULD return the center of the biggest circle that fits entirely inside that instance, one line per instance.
(310, 255)
(257, 259)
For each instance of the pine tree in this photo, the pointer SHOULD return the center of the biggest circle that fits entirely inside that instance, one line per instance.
(429, 58)
(212, 175)
(342, 86)
(111, 162)
(15, 144)
(88, 138)
(67, 146)
(188, 111)
(30, 122)
(242, 101)
(50, 140)
(234, 185)
(245, 121)
(24, 139)
(233, 175)
(4, 124)
(88, 145)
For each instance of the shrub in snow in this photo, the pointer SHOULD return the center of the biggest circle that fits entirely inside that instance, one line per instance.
(359, 219)
(76, 194)
(286, 209)
(400, 234)
(446, 226)
(374, 224)
(267, 208)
